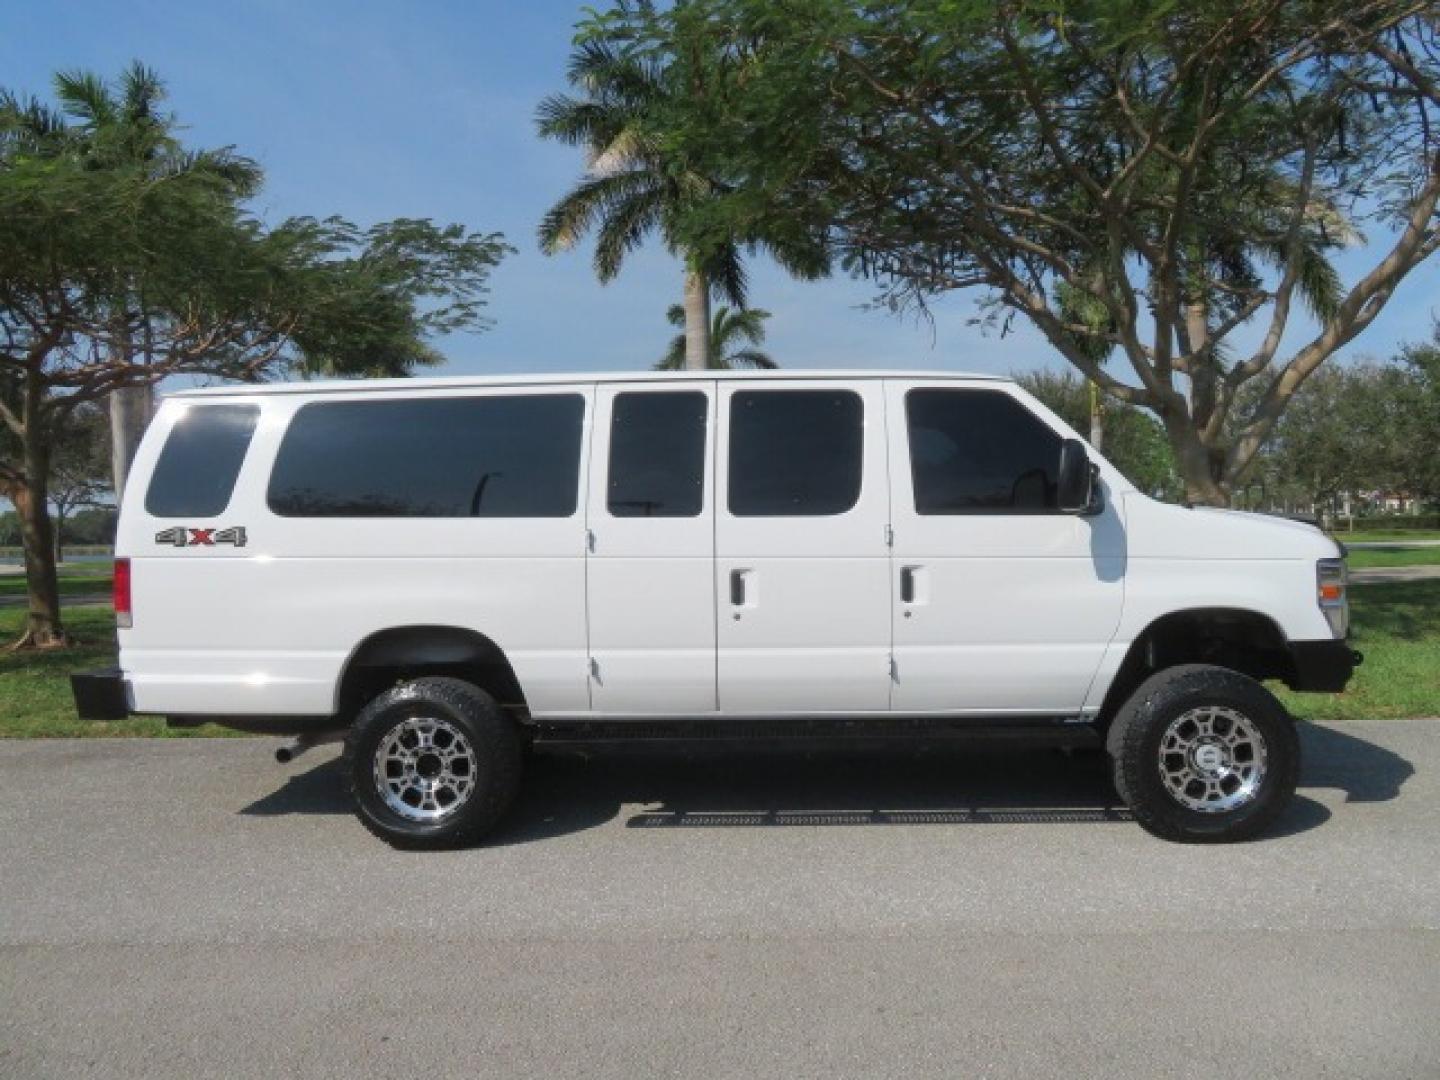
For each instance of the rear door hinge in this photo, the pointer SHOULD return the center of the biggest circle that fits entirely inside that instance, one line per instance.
(889, 536)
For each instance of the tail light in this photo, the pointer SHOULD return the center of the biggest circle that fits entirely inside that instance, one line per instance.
(1330, 584)
(121, 593)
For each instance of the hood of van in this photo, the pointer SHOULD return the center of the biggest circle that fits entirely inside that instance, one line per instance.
(1159, 529)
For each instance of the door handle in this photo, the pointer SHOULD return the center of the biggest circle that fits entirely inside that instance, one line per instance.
(914, 586)
(737, 588)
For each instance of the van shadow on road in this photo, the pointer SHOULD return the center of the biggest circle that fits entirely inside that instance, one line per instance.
(712, 786)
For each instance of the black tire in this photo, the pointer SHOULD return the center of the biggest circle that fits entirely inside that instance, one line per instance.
(480, 733)
(1167, 697)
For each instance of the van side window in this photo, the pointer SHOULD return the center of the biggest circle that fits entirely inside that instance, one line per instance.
(795, 453)
(657, 455)
(200, 461)
(490, 457)
(979, 452)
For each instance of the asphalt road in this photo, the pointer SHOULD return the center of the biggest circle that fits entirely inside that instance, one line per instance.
(189, 908)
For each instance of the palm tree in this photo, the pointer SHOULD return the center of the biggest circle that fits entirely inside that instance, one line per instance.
(122, 125)
(634, 187)
(730, 326)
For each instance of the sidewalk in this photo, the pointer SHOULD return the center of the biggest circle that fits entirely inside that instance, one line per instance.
(1385, 575)
(1381, 545)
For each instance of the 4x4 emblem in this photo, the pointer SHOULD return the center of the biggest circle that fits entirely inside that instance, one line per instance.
(182, 536)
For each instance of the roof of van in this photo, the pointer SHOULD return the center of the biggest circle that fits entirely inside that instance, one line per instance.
(327, 386)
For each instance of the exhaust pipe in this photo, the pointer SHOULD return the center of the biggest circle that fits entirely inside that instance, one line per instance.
(286, 754)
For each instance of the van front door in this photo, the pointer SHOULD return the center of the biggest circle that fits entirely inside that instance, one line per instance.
(1004, 605)
(650, 567)
(802, 567)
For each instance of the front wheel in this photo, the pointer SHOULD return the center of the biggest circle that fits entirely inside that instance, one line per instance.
(433, 763)
(1203, 754)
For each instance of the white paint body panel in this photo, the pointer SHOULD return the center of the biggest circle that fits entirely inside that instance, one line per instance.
(1013, 615)
(268, 628)
(1183, 559)
(651, 592)
(813, 633)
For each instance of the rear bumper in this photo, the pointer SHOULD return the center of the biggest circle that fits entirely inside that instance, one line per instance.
(105, 694)
(1322, 666)
(101, 694)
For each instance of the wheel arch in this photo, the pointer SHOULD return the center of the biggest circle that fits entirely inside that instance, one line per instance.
(1241, 639)
(398, 654)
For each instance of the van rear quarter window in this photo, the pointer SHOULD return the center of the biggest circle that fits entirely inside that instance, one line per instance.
(200, 461)
(980, 452)
(455, 457)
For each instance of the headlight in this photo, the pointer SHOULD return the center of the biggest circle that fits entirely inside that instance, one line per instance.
(1332, 595)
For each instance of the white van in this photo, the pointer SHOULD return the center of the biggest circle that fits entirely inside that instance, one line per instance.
(444, 571)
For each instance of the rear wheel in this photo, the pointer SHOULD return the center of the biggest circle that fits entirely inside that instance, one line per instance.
(1203, 754)
(433, 763)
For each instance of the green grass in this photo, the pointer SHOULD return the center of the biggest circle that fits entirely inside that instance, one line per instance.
(73, 582)
(1392, 556)
(1397, 626)
(35, 686)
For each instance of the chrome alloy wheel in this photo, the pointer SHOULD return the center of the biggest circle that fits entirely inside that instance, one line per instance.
(1212, 759)
(425, 768)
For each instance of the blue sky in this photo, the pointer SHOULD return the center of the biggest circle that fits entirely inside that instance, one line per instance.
(377, 110)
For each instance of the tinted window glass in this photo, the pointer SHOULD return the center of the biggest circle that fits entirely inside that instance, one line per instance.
(979, 452)
(657, 455)
(794, 452)
(436, 457)
(200, 461)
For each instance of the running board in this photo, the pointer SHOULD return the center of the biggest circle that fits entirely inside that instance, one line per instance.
(1045, 731)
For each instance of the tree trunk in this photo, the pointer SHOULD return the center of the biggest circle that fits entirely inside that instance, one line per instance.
(43, 629)
(1199, 466)
(1097, 418)
(697, 321)
(131, 408)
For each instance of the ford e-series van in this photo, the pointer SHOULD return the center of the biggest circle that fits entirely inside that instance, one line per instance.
(444, 571)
